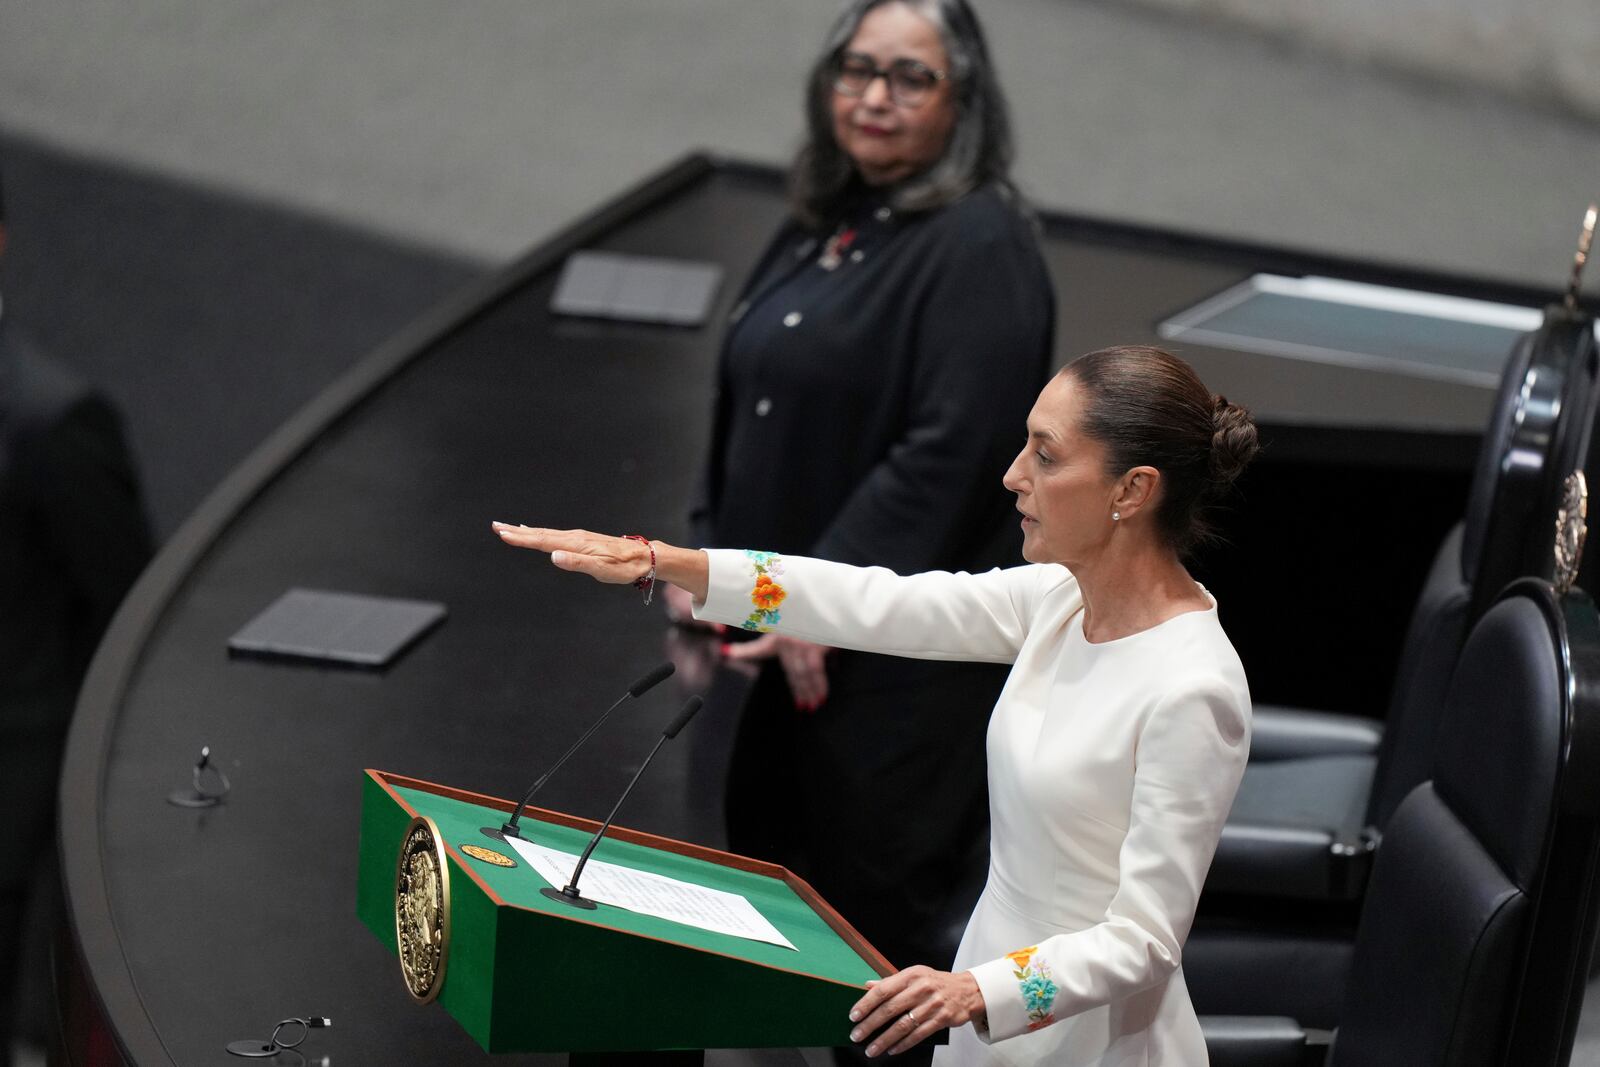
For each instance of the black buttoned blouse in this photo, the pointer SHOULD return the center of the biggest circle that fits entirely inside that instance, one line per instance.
(865, 413)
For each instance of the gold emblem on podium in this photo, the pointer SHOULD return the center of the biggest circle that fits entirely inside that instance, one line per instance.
(1571, 529)
(422, 909)
(488, 855)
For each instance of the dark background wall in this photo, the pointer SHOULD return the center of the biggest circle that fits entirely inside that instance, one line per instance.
(209, 317)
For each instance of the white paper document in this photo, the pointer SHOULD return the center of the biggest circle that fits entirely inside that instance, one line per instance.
(651, 894)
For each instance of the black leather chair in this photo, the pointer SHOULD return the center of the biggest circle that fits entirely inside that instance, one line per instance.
(1320, 789)
(1477, 928)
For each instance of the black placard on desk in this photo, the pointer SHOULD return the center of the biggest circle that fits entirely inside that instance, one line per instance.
(349, 629)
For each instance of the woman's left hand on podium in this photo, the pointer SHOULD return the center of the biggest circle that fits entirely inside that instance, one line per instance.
(908, 1007)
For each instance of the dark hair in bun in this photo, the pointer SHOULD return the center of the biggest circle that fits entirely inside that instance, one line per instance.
(1233, 442)
(1149, 409)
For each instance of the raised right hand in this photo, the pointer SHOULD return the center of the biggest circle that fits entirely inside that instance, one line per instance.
(613, 560)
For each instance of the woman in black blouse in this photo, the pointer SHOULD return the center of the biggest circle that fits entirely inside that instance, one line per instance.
(877, 371)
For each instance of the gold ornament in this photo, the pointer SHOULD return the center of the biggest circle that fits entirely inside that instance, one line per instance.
(488, 855)
(422, 909)
(1571, 529)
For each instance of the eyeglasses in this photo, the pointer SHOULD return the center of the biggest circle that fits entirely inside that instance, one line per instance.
(909, 82)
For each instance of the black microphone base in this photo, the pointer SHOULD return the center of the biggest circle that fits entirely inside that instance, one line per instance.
(500, 833)
(254, 1050)
(573, 898)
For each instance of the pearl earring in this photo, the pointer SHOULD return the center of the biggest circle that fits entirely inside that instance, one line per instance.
(1116, 515)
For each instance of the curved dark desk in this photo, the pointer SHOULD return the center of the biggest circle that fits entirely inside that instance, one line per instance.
(195, 928)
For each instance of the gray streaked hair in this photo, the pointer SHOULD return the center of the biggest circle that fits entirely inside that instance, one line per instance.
(822, 177)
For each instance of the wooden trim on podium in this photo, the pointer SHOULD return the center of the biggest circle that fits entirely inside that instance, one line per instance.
(825, 911)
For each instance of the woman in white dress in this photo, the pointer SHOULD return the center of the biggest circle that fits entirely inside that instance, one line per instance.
(1115, 748)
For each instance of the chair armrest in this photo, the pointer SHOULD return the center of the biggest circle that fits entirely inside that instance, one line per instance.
(1291, 733)
(1299, 863)
(1262, 1041)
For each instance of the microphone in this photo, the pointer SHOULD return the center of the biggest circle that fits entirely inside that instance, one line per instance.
(269, 1049)
(658, 674)
(569, 894)
(208, 791)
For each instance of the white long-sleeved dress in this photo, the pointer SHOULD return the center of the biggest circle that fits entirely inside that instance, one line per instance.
(1111, 769)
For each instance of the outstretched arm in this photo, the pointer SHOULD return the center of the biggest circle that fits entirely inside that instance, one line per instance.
(935, 615)
(613, 560)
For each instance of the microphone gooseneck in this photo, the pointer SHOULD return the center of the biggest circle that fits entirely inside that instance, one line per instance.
(569, 893)
(658, 674)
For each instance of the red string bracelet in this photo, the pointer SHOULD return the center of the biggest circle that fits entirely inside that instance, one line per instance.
(647, 583)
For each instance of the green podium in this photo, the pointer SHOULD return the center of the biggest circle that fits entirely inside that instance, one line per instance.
(523, 973)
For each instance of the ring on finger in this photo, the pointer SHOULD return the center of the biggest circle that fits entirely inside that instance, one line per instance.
(910, 1018)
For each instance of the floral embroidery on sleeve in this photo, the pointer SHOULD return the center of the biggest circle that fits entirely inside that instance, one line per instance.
(1038, 990)
(766, 594)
